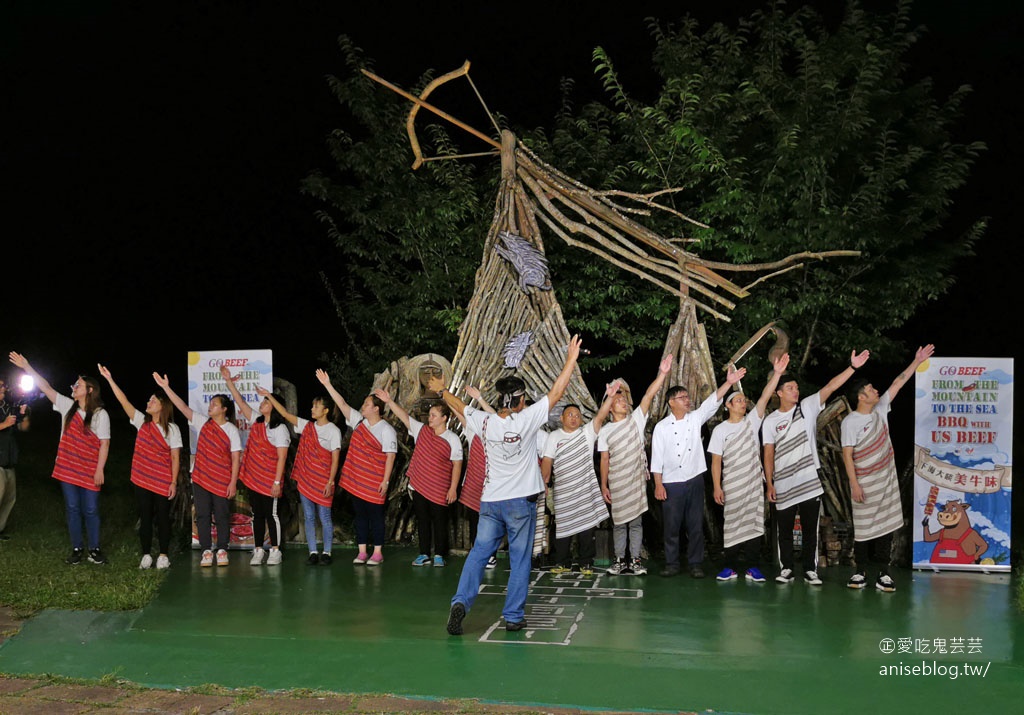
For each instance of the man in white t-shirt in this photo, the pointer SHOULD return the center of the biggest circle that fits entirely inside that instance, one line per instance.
(512, 484)
(791, 467)
(871, 468)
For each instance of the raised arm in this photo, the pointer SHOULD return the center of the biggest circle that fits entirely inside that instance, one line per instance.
(606, 405)
(920, 356)
(779, 366)
(663, 370)
(435, 383)
(288, 416)
(19, 360)
(118, 393)
(731, 378)
(562, 381)
(325, 380)
(475, 394)
(857, 361)
(400, 413)
(243, 406)
(182, 406)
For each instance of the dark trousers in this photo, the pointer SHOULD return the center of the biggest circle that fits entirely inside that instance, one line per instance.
(882, 547)
(152, 507)
(207, 505)
(432, 525)
(744, 555)
(684, 508)
(587, 548)
(264, 519)
(369, 521)
(785, 518)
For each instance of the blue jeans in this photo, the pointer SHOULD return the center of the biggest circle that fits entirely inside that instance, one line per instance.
(517, 518)
(81, 503)
(312, 510)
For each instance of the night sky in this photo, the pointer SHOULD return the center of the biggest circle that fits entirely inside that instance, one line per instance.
(152, 154)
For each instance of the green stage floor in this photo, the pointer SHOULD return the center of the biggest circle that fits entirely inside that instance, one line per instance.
(625, 642)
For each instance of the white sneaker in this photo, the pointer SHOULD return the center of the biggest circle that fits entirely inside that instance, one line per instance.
(162, 562)
(785, 576)
(207, 559)
(257, 557)
(274, 557)
(222, 557)
(811, 578)
(147, 562)
(492, 562)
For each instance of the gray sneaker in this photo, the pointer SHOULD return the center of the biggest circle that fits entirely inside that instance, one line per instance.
(616, 568)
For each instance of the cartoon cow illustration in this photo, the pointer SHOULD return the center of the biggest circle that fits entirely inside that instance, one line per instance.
(958, 542)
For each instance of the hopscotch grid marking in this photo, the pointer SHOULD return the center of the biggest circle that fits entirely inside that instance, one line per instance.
(549, 602)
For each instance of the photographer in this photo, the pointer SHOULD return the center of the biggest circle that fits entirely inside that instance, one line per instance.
(13, 418)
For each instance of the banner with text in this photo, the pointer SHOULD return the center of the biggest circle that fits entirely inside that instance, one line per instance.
(250, 369)
(963, 464)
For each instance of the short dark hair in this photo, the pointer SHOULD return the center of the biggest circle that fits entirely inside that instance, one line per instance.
(509, 388)
(675, 390)
(786, 377)
(855, 388)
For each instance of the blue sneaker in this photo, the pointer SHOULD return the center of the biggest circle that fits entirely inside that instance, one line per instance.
(438, 561)
(421, 560)
(726, 575)
(755, 575)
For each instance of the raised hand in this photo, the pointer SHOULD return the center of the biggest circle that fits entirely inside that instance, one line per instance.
(613, 387)
(435, 383)
(226, 374)
(474, 393)
(924, 353)
(734, 375)
(780, 363)
(161, 380)
(857, 360)
(382, 395)
(18, 359)
(104, 371)
(323, 377)
(665, 365)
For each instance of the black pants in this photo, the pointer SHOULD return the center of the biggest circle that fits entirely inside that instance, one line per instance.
(882, 547)
(784, 519)
(207, 505)
(745, 554)
(587, 548)
(369, 521)
(264, 519)
(153, 506)
(684, 507)
(432, 525)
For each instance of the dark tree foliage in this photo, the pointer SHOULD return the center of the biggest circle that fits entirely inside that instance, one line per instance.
(784, 133)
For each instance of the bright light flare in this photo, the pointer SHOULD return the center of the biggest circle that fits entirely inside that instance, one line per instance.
(26, 384)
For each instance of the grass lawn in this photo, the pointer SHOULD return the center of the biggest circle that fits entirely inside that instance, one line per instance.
(33, 574)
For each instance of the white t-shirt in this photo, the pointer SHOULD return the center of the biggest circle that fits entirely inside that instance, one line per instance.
(559, 437)
(199, 419)
(328, 435)
(855, 423)
(99, 425)
(448, 436)
(778, 422)
(172, 435)
(512, 468)
(383, 431)
(638, 420)
(725, 431)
